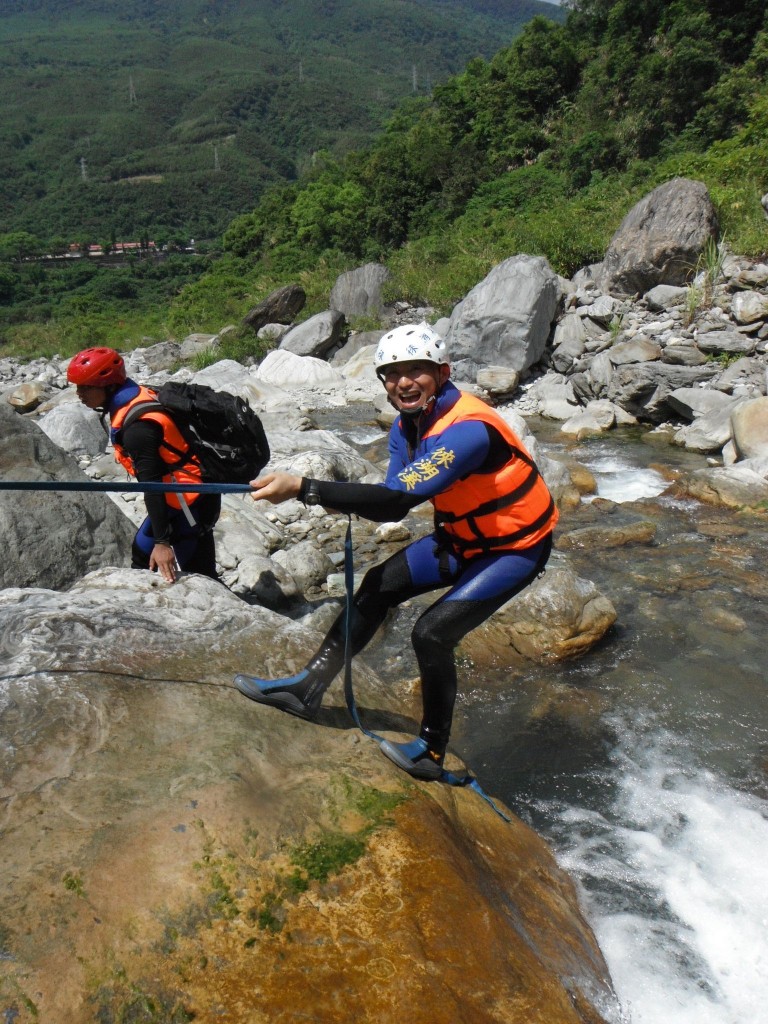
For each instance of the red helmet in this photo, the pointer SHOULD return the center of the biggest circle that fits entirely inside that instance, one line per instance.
(97, 367)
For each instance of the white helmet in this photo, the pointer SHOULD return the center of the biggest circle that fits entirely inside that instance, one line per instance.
(408, 344)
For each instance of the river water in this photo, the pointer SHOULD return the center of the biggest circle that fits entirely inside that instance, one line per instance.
(645, 762)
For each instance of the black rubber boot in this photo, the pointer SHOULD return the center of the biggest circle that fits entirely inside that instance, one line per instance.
(300, 695)
(415, 758)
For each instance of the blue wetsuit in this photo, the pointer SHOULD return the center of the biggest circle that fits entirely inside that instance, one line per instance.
(477, 586)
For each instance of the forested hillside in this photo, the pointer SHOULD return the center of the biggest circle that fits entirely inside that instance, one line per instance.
(166, 118)
(623, 81)
(540, 148)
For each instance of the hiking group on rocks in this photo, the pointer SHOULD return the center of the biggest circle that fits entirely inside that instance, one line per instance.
(584, 352)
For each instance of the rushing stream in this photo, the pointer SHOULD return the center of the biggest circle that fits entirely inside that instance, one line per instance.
(645, 762)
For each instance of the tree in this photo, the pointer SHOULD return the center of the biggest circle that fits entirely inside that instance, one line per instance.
(330, 215)
(19, 245)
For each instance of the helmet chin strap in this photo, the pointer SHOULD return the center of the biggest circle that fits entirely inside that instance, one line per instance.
(413, 414)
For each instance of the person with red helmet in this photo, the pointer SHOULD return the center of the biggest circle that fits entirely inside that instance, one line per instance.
(178, 529)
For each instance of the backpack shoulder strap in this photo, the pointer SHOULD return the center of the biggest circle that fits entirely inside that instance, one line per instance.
(138, 410)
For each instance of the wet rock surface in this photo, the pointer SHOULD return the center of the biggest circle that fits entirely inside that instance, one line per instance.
(169, 846)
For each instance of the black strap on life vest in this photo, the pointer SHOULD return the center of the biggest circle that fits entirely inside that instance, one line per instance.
(488, 544)
(480, 541)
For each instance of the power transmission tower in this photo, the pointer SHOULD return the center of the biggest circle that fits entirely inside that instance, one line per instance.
(216, 164)
(414, 79)
(83, 169)
(301, 70)
(131, 91)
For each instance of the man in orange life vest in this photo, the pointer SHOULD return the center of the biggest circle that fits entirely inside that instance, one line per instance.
(178, 530)
(494, 518)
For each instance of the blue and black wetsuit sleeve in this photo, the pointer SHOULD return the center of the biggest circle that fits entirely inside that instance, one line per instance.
(375, 502)
(465, 448)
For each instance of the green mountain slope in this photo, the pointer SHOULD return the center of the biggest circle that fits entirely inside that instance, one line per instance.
(129, 117)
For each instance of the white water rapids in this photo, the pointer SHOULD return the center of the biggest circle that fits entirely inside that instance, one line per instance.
(669, 842)
(654, 797)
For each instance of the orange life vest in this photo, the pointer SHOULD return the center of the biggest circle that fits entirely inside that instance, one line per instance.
(509, 508)
(173, 449)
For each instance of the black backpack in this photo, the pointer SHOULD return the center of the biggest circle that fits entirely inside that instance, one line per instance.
(221, 429)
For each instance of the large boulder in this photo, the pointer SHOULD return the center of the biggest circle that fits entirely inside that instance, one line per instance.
(175, 852)
(506, 319)
(282, 306)
(660, 240)
(358, 292)
(743, 486)
(52, 538)
(560, 615)
(75, 429)
(318, 336)
(642, 389)
(284, 367)
(749, 425)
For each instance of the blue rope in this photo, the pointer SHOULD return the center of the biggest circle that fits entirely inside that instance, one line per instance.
(349, 584)
(157, 487)
(446, 777)
(145, 487)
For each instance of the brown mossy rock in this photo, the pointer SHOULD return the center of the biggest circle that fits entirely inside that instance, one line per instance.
(173, 850)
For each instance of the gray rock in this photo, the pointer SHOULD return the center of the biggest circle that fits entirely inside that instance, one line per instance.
(660, 240)
(710, 430)
(745, 376)
(52, 538)
(602, 311)
(317, 336)
(726, 341)
(695, 402)
(558, 616)
(642, 388)
(307, 563)
(74, 429)
(749, 307)
(162, 356)
(273, 332)
(193, 344)
(683, 355)
(505, 320)
(598, 416)
(600, 373)
(749, 425)
(737, 486)
(361, 340)
(27, 396)
(639, 350)
(283, 366)
(358, 292)
(282, 306)
(569, 342)
(360, 367)
(665, 296)
(498, 381)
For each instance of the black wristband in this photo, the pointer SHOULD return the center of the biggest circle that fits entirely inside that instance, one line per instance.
(310, 491)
